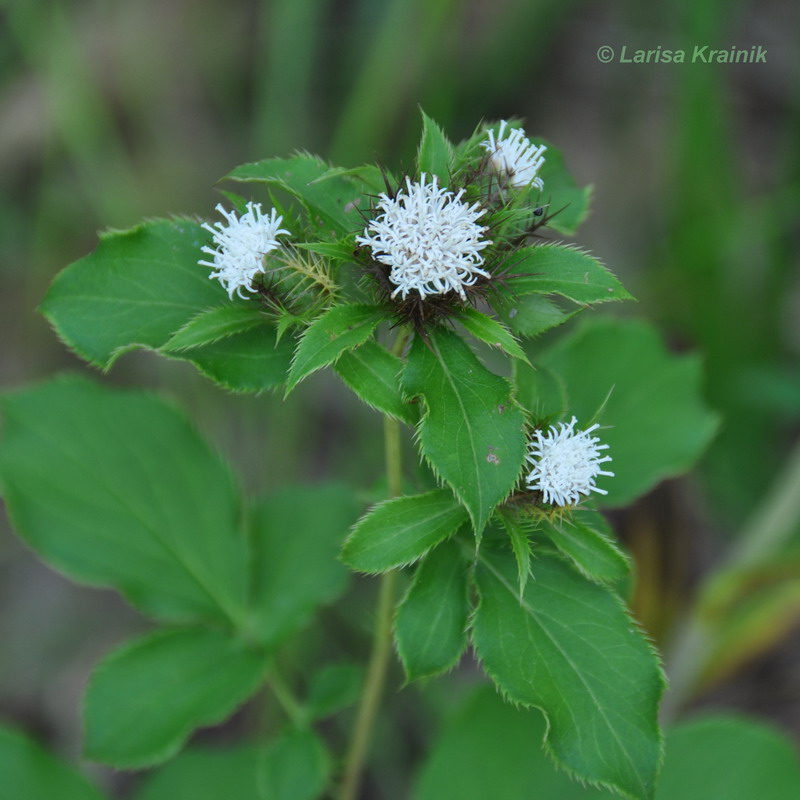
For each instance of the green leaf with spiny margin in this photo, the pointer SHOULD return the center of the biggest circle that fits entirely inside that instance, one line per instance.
(339, 329)
(560, 269)
(472, 432)
(491, 749)
(214, 324)
(587, 540)
(531, 314)
(115, 488)
(206, 773)
(517, 529)
(251, 361)
(296, 537)
(144, 699)
(397, 532)
(567, 202)
(340, 251)
(490, 331)
(329, 196)
(540, 392)
(435, 154)
(373, 373)
(430, 626)
(296, 766)
(649, 401)
(136, 289)
(31, 773)
(570, 648)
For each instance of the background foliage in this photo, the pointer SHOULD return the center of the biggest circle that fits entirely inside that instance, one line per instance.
(108, 117)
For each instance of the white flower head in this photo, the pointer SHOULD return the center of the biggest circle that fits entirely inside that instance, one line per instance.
(565, 463)
(429, 237)
(241, 245)
(513, 154)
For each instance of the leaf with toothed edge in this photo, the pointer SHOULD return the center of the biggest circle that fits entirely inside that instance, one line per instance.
(339, 329)
(214, 324)
(585, 538)
(530, 315)
(435, 154)
(472, 432)
(397, 532)
(431, 623)
(135, 290)
(373, 373)
(570, 648)
(332, 197)
(561, 269)
(254, 360)
(116, 489)
(491, 332)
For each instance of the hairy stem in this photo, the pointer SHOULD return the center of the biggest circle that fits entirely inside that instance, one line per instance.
(382, 635)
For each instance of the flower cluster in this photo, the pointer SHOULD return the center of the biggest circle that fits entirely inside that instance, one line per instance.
(429, 238)
(513, 155)
(240, 246)
(566, 463)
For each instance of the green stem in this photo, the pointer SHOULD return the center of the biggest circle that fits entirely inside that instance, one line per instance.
(382, 635)
(287, 700)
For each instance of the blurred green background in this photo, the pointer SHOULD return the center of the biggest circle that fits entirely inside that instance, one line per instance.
(114, 111)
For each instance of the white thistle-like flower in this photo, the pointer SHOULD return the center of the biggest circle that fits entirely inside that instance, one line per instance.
(565, 463)
(430, 239)
(241, 245)
(513, 154)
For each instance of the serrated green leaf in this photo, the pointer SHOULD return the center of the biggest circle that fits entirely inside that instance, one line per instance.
(531, 314)
(490, 749)
(560, 269)
(431, 623)
(333, 688)
(297, 534)
(568, 202)
(251, 361)
(144, 699)
(116, 489)
(333, 198)
(206, 773)
(491, 331)
(295, 767)
(587, 540)
(520, 544)
(215, 323)
(570, 649)
(341, 251)
(339, 329)
(31, 773)
(135, 290)
(397, 532)
(472, 432)
(540, 392)
(649, 402)
(373, 373)
(435, 154)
